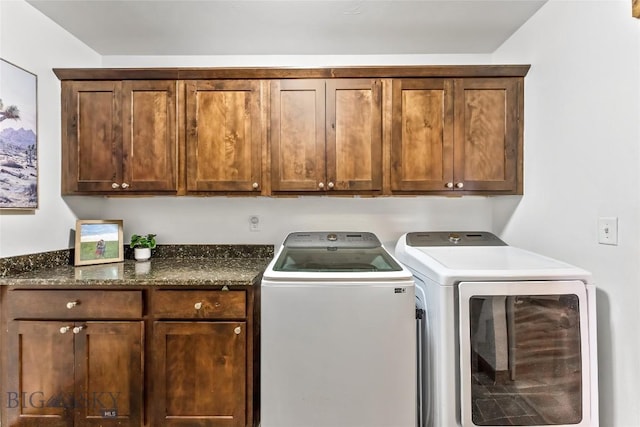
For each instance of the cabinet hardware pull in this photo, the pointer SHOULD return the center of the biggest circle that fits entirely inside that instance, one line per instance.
(125, 185)
(459, 185)
(321, 185)
(65, 329)
(71, 304)
(255, 185)
(197, 305)
(237, 330)
(449, 185)
(225, 288)
(77, 329)
(115, 185)
(330, 185)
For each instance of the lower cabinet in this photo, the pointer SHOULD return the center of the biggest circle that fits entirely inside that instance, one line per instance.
(74, 373)
(149, 357)
(203, 365)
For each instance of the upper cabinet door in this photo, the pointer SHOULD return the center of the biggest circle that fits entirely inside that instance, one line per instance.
(92, 136)
(223, 135)
(119, 137)
(487, 134)
(354, 134)
(298, 135)
(149, 137)
(422, 135)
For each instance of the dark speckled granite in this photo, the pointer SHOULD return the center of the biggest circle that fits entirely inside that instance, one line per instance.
(161, 271)
(19, 264)
(170, 264)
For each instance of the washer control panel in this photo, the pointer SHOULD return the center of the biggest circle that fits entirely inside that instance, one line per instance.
(318, 239)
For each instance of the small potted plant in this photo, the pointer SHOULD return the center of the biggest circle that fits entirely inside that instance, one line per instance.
(142, 246)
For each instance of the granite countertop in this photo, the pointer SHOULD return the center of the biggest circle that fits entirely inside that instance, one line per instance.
(172, 271)
(175, 266)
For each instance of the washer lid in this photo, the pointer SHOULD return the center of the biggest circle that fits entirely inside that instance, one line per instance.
(334, 256)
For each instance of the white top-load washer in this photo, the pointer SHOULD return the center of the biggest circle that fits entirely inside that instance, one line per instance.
(509, 336)
(337, 334)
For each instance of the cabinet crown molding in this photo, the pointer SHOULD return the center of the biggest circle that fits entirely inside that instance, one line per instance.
(445, 71)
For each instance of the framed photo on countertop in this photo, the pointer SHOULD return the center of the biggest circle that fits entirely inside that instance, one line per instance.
(98, 241)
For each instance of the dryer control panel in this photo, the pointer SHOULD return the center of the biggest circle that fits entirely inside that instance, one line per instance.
(454, 238)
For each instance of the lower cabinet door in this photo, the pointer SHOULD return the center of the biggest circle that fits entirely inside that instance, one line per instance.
(74, 374)
(109, 373)
(40, 378)
(199, 375)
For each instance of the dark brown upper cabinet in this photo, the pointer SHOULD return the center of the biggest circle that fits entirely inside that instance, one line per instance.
(224, 136)
(119, 137)
(457, 135)
(441, 130)
(326, 135)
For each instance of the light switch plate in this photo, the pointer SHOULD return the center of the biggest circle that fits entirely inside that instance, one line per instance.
(608, 230)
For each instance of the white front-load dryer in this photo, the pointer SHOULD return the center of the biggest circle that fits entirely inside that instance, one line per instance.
(509, 335)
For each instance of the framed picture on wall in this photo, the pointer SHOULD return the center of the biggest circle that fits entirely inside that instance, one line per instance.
(18, 137)
(98, 241)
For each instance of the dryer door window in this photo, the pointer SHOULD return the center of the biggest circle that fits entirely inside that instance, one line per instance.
(524, 353)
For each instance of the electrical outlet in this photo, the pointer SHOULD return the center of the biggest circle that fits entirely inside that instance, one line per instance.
(608, 231)
(254, 223)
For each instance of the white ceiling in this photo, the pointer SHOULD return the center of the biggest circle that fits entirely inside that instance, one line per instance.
(289, 27)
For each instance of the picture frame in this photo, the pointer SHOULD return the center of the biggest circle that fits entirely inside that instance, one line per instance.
(98, 241)
(18, 137)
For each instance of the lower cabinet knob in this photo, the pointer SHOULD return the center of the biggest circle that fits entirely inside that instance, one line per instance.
(65, 329)
(459, 185)
(330, 184)
(321, 185)
(197, 305)
(115, 185)
(237, 330)
(77, 329)
(255, 185)
(125, 185)
(449, 185)
(71, 304)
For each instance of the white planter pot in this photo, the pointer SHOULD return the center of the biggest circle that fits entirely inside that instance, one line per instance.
(142, 254)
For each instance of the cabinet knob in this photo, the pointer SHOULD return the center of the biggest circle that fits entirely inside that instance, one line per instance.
(449, 185)
(197, 305)
(65, 329)
(71, 304)
(330, 185)
(459, 185)
(321, 185)
(225, 288)
(77, 329)
(237, 330)
(125, 185)
(255, 185)
(115, 185)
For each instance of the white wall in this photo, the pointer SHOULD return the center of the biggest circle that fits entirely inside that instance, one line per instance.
(582, 130)
(35, 43)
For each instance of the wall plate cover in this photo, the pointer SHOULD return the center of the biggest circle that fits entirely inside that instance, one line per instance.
(608, 230)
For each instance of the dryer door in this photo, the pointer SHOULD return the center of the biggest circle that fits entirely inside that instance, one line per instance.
(524, 353)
